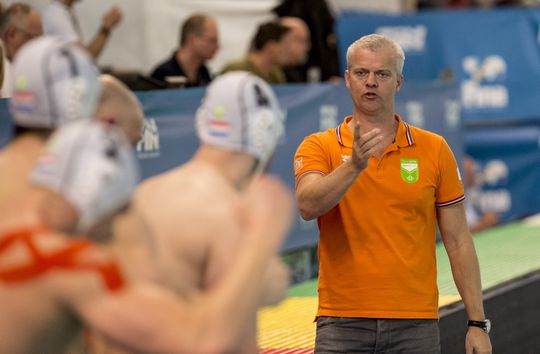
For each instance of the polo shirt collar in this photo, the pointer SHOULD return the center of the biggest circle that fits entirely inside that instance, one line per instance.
(404, 136)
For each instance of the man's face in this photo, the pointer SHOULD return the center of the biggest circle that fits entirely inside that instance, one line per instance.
(207, 43)
(372, 80)
(23, 30)
(298, 44)
(280, 51)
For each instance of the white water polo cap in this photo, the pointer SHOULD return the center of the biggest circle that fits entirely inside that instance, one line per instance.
(53, 82)
(92, 166)
(240, 112)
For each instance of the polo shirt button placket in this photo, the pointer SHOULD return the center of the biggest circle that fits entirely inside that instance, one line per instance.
(380, 168)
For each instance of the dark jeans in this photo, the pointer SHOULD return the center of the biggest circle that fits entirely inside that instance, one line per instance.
(367, 335)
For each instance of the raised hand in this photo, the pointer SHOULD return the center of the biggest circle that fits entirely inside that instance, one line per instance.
(112, 18)
(365, 146)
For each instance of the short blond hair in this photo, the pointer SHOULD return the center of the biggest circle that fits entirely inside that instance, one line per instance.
(375, 42)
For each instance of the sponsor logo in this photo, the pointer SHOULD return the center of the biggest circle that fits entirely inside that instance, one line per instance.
(409, 170)
(495, 172)
(45, 166)
(22, 99)
(493, 196)
(415, 113)
(498, 200)
(410, 38)
(481, 89)
(452, 114)
(148, 146)
(297, 164)
(217, 126)
(283, 117)
(328, 116)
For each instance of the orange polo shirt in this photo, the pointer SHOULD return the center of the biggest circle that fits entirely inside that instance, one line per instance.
(377, 246)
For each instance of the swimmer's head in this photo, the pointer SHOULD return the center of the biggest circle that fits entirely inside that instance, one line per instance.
(53, 82)
(92, 167)
(240, 112)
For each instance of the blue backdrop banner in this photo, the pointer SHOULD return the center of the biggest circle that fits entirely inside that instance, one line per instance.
(494, 56)
(508, 169)
(169, 137)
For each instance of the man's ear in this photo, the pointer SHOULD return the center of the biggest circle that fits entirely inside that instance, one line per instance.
(399, 82)
(9, 32)
(347, 76)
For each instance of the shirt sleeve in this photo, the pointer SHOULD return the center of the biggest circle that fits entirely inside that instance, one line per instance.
(57, 22)
(311, 157)
(450, 189)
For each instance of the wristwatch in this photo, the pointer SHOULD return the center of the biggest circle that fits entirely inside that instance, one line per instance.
(485, 324)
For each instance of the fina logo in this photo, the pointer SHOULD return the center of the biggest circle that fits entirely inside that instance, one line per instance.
(474, 94)
(496, 197)
(415, 113)
(328, 116)
(410, 38)
(148, 146)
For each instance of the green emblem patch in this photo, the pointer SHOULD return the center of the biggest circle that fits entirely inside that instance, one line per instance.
(219, 112)
(409, 170)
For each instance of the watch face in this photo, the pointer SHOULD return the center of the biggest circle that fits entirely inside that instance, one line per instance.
(488, 326)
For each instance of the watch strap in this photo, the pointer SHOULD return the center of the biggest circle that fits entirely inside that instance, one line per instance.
(481, 324)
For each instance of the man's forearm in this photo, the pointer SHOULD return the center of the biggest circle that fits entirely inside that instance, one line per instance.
(98, 43)
(466, 272)
(319, 196)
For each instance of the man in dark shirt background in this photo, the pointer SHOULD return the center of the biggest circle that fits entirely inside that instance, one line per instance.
(199, 42)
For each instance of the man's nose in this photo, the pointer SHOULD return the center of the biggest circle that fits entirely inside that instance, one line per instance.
(371, 80)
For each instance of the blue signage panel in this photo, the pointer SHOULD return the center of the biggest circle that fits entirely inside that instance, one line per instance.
(508, 170)
(169, 137)
(494, 55)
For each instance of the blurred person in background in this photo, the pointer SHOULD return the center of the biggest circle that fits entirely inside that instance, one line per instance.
(191, 210)
(477, 218)
(64, 281)
(59, 19)
(268, 54)
(46, 94)
(119, 106)
(298, 47)
(19, 23)
(199, 42)
(2, 69)
(322, 64)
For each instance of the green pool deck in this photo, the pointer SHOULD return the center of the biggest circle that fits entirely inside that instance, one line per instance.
(504, 253)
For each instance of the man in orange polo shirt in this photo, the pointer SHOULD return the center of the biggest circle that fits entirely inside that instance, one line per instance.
(378, 187)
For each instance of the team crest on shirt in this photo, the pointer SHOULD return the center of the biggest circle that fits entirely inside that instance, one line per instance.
(409, 170)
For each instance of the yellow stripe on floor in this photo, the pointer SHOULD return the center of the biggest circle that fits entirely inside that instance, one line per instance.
(290, 324)
(445, 300)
